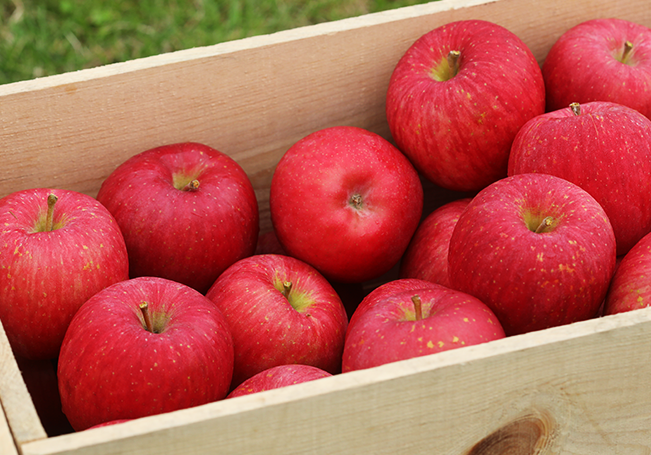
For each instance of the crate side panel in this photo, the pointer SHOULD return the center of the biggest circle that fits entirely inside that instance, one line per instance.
(555, 388)
(15, 399)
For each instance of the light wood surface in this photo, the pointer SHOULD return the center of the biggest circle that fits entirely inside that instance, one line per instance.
(7, 443)
(15, 399)
(581, 389)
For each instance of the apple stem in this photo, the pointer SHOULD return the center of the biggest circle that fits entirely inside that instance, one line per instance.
(628, 47)
(192, 186)
(49, 218)
(576, 108)
(544, 224)
(453, 62)
(356, 201)
(287, 288)
(417, 307)
(144, 308)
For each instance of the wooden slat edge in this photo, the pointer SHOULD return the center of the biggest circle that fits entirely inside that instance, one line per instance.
(472, 388)
(228, 47)
(7, 443)
(15, 398)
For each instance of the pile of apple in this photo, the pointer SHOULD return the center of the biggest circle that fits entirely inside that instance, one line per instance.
(160, 294)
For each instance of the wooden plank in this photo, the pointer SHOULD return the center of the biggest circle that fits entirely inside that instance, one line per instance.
(579, 389)
(7, 444)
(250, 98)
(15, 399)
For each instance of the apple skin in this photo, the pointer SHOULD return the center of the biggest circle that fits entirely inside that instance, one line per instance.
(606, 150)
(384, 329)
(185, 236)
(277, 377)
(269, 329)
(316, 184)
(48, 275)
(585, 64)
(532, 280)
(630, 287)
(426, 257)
(112, 367)
(458, 130)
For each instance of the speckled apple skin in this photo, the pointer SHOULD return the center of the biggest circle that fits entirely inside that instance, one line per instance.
(532, 280)
(310, 205)
(606, 150)
(185, 236)
(277, 377)
(584, 65)
(382, 330)
(426, 257)
(267, 330)
(630, 288)
(47, 276)
(458, 132)
(112, 368)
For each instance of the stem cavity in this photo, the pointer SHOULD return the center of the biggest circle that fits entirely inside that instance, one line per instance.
(576, 108)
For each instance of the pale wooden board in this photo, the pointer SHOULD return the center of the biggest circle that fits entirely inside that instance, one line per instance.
(15, 399)
(251, 98)
(590, 382)
(7, 443)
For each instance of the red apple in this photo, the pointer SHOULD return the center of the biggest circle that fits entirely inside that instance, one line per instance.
(280, 311)
(409, 318)
(630, 287)
(457, 98)
(277, 377)
(535, 248)
(603, 147)
(600, 60)
(426, 257)
(57, 249)
(347, 202)
(187, 212)
(142, 347)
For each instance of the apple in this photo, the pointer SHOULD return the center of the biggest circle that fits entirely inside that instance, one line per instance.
(426, 257)
(605, 59)
(603, 147)
(408, 318)
(280, 311)
(57, 249)
(457, 98)
(346, 201)
(277, 377)
(142, 347)
(537, 249)
(187, 212)
(630, 287)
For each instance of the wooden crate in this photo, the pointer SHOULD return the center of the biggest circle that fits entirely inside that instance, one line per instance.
(582, 389)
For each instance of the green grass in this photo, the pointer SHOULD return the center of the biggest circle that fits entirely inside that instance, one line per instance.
(45, 37)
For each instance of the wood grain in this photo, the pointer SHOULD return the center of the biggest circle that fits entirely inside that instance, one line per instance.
(16, 402)
(580, 389)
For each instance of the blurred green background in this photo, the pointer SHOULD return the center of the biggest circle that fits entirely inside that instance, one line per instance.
(41, 38)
